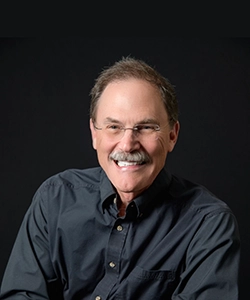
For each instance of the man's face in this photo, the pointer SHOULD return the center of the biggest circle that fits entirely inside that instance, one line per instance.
(127, 103)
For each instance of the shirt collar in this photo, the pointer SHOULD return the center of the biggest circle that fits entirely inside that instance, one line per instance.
(107, 190)
(147, 199)
(143, 201)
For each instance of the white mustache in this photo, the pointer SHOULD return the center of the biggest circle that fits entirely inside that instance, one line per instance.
(134, 156)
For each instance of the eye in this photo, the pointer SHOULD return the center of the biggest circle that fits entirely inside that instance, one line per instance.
(113, 127)
(145, 127)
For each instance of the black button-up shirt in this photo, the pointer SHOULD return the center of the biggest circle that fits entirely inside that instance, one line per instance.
(176, 241)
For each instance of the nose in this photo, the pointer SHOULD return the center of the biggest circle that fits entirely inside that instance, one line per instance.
(129, 142)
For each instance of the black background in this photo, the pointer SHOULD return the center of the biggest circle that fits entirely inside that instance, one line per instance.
(44, 92)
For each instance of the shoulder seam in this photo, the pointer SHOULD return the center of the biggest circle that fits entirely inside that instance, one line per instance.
(70, 185)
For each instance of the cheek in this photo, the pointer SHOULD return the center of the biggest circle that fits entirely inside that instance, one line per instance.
(103, 146)
(157, 150)
(94, 143)
(160, 152)
(161, 146)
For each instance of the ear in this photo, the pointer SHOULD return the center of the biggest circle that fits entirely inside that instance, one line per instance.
(173, 136)
(93, 133)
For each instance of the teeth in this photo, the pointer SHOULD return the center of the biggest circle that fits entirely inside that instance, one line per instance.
(126, 163)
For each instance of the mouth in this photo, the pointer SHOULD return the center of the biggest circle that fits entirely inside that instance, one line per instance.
(126, 160)
(121, 163)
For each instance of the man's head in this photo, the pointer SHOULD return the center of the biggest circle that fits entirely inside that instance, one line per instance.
(134, 124)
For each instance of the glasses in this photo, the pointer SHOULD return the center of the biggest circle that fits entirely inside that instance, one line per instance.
(141, 131)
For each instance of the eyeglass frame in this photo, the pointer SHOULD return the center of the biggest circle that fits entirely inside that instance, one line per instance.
(134, 128)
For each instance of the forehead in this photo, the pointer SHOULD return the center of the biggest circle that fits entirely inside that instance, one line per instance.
(131, 99)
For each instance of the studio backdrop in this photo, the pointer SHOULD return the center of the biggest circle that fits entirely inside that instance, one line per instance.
(44, 92)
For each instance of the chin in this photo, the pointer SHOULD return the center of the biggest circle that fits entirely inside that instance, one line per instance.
(130, 186)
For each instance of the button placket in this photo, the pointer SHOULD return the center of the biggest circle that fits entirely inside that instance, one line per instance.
(113, 259)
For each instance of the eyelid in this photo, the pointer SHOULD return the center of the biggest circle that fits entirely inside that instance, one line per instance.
(114, 125)
(136, 127)
(147, 124)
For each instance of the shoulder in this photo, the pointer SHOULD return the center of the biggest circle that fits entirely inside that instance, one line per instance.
(69, 187)
(196, 197)
(74, 179)
(201, 210)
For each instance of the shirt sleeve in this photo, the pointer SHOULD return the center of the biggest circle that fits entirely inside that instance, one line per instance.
(29, 273)
(212, 261)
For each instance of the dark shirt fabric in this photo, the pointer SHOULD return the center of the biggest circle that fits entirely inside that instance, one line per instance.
(176, 241)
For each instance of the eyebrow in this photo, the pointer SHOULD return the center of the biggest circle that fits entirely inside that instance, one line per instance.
(144, 121)
(111, 120)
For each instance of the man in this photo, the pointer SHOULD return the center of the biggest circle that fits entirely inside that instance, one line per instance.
(127, 229)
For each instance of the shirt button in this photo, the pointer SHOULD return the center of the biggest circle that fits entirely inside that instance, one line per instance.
(112, 264)
(119, 228)
(98, 298)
